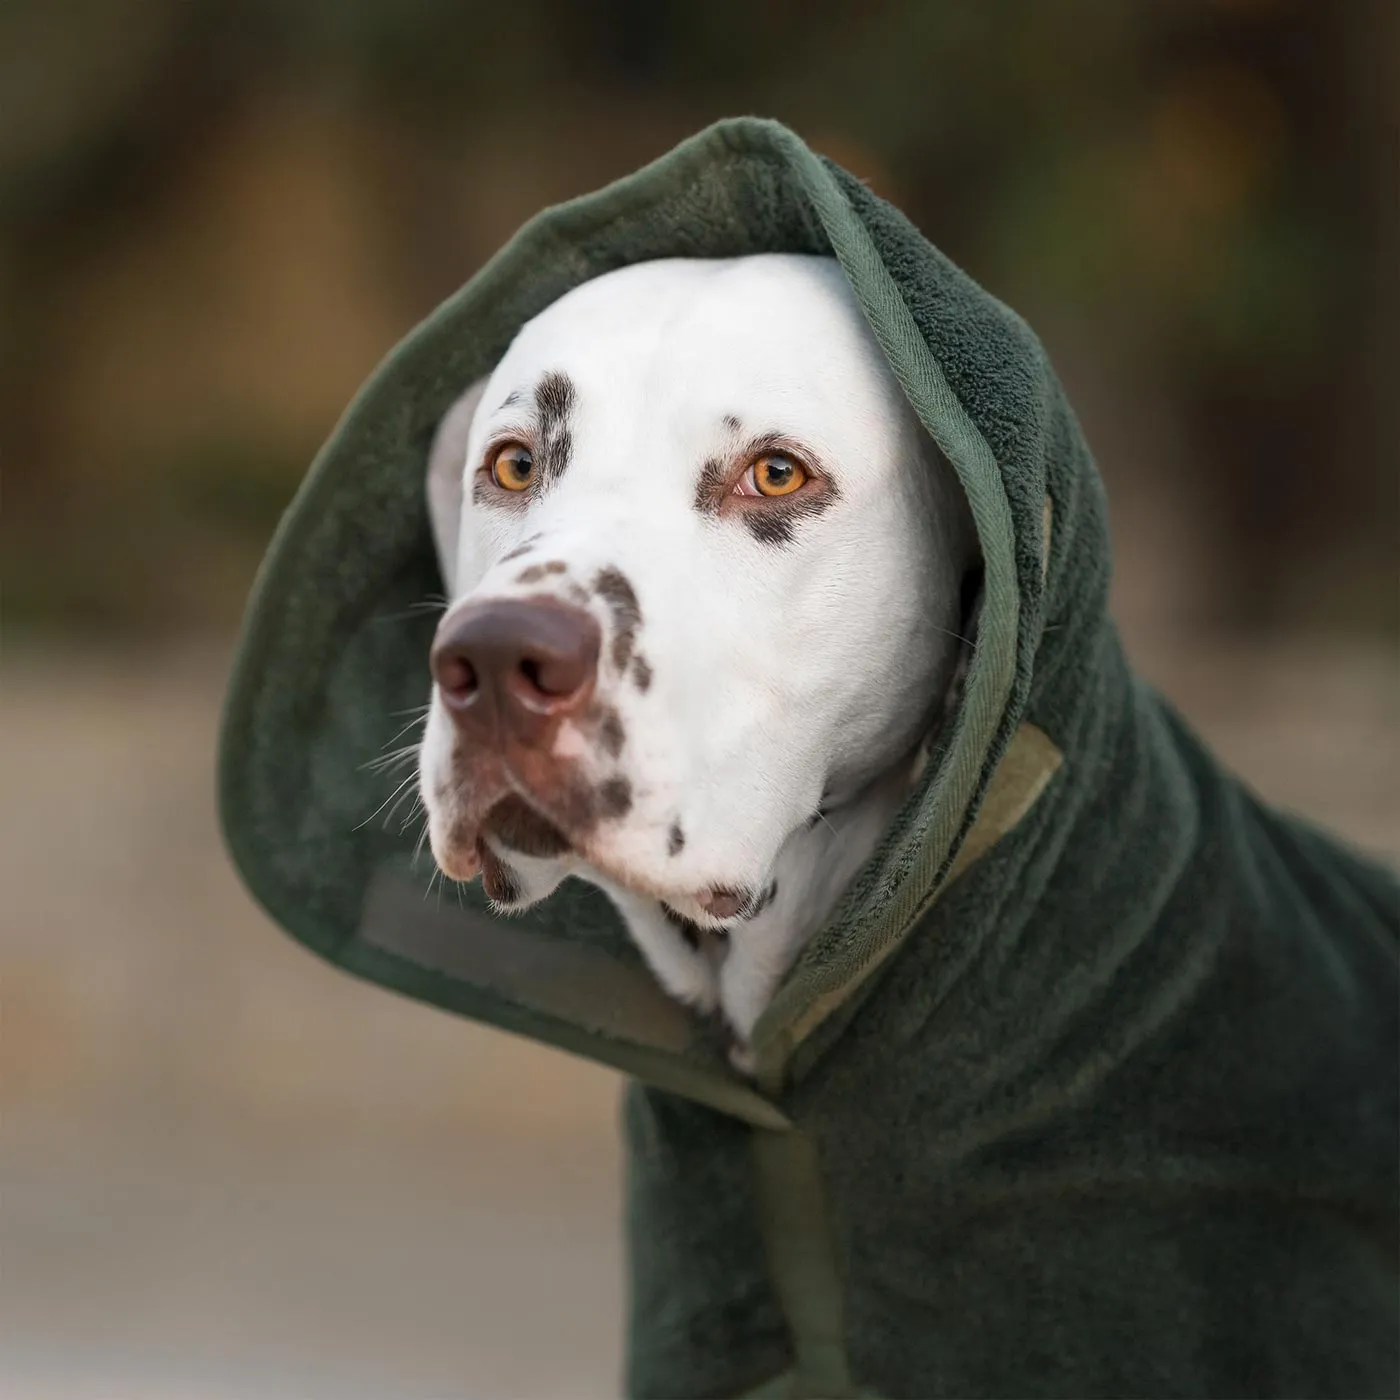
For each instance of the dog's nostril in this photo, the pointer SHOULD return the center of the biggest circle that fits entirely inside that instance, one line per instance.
(553, 676)
(531, 670)
(455, 677)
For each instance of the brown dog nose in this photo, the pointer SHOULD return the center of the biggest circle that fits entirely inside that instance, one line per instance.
(513, 667)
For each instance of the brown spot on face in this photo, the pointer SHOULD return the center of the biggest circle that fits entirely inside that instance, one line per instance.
(641, 673)
(675, 840)
(611, 734)
(612, 587)
(517, 826)
(538, 571)
(615, 798)
(497, 878)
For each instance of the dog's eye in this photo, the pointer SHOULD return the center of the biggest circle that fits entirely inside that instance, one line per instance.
(513, 467)
(773, 474)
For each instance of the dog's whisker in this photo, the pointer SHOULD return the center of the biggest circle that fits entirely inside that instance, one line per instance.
(418, 845)
(411, 778)
(389, 815)
(416, 710)
(412, 724)
(389, 760)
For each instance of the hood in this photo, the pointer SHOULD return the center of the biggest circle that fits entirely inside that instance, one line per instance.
(334, 653)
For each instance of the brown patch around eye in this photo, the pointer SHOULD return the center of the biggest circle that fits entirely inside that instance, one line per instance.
(771, 520)
(775, 520)
(710, 489)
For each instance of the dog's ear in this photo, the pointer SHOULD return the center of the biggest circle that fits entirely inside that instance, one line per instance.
(447, 461)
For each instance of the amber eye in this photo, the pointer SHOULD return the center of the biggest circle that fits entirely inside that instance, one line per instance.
(775, 474)
(513, 467)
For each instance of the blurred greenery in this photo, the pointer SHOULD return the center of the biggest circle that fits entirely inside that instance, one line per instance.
(216, 214)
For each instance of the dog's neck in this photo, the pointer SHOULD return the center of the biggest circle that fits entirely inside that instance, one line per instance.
(735, 970)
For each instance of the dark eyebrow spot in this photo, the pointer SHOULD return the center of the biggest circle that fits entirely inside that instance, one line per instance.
(554, 401)
(612, 587)
(641, 673)
(732, 423)
(675, 840)
(510, 400)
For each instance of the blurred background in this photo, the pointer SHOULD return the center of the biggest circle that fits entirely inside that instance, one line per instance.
(228, 1171)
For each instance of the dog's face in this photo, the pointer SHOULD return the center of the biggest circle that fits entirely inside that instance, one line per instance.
(694, 580)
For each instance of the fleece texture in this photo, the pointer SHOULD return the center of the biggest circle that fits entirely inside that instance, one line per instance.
(1089, 1085)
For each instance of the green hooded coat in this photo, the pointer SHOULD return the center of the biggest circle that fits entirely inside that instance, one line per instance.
(1089, 1084)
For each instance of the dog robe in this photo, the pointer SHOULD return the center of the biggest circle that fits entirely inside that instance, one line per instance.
(1088, 1086)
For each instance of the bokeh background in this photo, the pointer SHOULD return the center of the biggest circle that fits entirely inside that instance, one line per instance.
(228, 1171)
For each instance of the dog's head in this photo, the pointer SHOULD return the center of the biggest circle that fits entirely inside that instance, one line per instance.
(702, 557)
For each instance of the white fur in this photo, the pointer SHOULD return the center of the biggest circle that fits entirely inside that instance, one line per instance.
(784, 678)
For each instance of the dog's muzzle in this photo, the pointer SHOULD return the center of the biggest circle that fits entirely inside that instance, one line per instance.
(509, 670)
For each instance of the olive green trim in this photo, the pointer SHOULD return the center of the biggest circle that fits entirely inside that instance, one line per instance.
(802, 1262)
(572, 995)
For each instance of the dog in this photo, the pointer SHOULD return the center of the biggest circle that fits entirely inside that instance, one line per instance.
(705, 568)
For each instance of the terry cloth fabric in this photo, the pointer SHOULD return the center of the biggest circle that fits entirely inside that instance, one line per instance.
(1088, 1086)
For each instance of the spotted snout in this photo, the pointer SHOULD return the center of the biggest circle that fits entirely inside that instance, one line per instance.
(509, 670)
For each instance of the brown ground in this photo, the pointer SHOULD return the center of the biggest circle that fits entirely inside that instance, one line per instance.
(229, 1171)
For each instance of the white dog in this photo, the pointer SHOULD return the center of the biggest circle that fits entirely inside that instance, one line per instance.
(706, 570)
